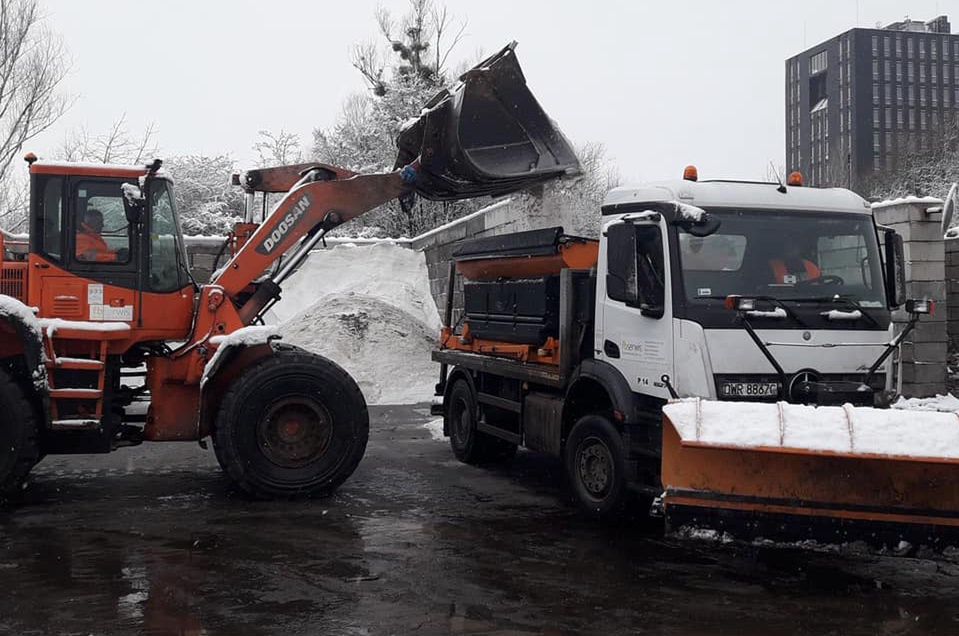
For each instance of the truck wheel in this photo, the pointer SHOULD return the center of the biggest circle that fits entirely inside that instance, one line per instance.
(470, 445)
(19, 451)
(596, 466)
(294, 425)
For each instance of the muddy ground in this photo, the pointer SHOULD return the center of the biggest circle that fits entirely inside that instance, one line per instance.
(153, 540)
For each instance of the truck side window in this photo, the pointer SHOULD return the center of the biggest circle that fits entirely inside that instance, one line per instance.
(621, 264)
(52, 206)
(164, 256)
(635, 268)
(651, 279)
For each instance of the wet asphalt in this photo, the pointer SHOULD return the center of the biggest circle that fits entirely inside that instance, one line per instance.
(153, 540)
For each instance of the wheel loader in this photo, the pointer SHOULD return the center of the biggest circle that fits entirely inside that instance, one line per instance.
(107, 341)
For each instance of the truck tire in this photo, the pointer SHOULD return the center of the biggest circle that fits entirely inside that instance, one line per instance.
(595, 461)
(19, 449)
(470, 445)
(293, 425)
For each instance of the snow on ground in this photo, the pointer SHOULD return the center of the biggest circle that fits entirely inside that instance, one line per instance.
(845, 429)
(944, 403)
(435, 427)
(369, 309)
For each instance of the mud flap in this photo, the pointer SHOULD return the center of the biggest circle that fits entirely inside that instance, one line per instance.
(486, 136)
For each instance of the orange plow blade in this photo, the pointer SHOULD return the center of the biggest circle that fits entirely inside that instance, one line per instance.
(789, 472)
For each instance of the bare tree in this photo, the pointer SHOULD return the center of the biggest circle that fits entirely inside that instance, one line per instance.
(32, 68)
(277, 149)
(116, 145)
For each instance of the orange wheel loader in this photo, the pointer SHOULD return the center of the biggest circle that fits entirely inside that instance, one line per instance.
(107, 341)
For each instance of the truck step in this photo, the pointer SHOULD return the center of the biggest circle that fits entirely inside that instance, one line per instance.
(77, 364)
(84, 424)
(76, 394)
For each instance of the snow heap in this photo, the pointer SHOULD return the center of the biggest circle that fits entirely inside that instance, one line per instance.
(369, 309)
(840, 429)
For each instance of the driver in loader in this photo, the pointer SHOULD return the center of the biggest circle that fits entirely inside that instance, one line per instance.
(90, 244)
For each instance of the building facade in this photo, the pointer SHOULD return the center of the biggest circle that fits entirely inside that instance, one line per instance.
(860, 102)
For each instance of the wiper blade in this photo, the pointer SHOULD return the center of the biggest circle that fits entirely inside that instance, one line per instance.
(848, 300)
(789, 312)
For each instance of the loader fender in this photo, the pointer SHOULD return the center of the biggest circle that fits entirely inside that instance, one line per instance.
(17, 319)
(231, 362)
(455, 374)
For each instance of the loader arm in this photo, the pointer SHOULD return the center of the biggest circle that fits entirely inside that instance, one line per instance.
(318, 202)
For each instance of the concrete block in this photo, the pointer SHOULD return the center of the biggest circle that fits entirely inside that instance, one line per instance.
(917, 231)
(935, 289)
(925, 352)
(913, 389)
(933, 251)
(934, 374)
(921, 271)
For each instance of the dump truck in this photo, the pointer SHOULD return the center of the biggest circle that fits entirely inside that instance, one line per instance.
(107, 341)
(719, 345)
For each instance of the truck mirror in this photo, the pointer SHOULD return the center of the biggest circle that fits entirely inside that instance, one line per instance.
(895, 269)
(707, 226)
(133, 203)
(949, 212)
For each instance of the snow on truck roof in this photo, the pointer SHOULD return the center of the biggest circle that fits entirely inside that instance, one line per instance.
(741, 195)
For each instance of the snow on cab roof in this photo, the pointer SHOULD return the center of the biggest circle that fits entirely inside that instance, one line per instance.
(741, 195)
(91, 166)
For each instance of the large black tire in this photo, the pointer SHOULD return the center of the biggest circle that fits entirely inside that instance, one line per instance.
(19, 450)
(595, 462)
(470, 445)
(293, 425)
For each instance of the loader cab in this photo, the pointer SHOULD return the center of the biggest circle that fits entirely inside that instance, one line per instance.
(92, 260)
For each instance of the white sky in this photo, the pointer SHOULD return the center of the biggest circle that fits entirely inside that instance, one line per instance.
(661, 84)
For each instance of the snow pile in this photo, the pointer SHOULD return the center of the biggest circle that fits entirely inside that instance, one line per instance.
(944, 403)
(845, 429)
(910, 199)
(369, 309)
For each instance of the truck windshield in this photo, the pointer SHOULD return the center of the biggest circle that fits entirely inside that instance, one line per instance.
(785, 255)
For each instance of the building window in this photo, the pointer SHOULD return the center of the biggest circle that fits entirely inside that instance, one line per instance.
(898, 93)
(898, 46)
(909, 48)
(933, 50)
(922, 49)
(885, 46)
(875, 117)
(888, 119)
(912, 119)
(899, 118)
(911, 70)
(945, 50)
(887, 70)
(934, 98)
(935, 74)
(922, 120)
(875, 69)
(875, 142)
(922, 96)
(875, 45)
(922, 73)
(898, 71)
(875, 93)
(888, 92)
(817, 63)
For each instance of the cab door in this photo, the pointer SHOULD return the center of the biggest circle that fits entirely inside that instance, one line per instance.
(634, 325)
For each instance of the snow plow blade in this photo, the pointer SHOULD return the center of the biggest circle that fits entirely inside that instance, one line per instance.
(788, 473)
(486, 136)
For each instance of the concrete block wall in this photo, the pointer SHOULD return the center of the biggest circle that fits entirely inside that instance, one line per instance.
(924, 353)
(952, 293)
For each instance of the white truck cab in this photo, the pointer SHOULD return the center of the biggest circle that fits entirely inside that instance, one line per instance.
(807, 260)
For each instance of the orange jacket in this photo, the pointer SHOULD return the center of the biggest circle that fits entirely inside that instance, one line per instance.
(781, 271)
(92, 247)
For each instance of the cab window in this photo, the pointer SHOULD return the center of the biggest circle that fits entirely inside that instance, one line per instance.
(164, 240)
(102, 233)
(52, 210)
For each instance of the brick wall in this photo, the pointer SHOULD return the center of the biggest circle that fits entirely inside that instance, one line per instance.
(924, 353)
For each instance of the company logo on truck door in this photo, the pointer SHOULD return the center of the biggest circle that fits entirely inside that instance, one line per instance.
(290, 221)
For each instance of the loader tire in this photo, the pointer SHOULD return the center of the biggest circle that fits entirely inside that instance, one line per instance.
(469, 445)
(19, 448)
(595, 461)
(293, 425)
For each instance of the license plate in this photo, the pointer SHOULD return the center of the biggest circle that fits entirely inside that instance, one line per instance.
(749, 389)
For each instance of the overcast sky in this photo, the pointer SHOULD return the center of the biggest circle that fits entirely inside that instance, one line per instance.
(661, 84)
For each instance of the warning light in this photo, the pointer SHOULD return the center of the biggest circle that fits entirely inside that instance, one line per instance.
(795, 178)
(29, 158)
(691, 173)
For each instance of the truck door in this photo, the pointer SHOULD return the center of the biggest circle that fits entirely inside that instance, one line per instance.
(634, 325)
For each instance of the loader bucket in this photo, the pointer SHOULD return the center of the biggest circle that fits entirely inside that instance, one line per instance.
(789, 472)
(485, 136)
